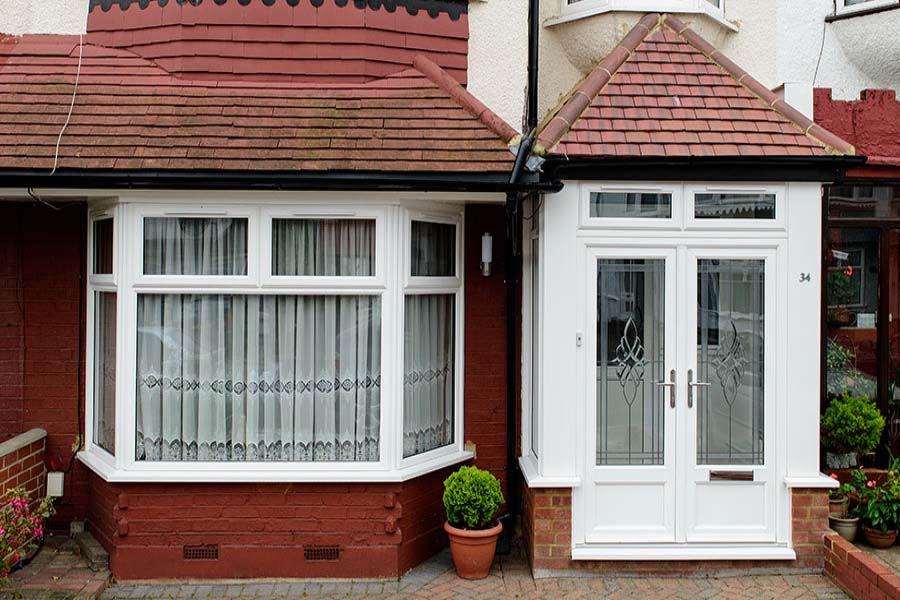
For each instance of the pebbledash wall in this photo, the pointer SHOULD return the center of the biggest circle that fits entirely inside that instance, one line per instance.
(172, 530)
(547, 532)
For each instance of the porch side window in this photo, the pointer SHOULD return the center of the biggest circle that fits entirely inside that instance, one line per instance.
(103, 295)
(429, 350)
(250, 377)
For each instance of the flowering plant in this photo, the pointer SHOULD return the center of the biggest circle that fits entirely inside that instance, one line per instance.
(879, 505)
(21, 526)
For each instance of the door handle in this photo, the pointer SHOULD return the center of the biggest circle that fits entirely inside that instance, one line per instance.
(671, 385)
(691, 384)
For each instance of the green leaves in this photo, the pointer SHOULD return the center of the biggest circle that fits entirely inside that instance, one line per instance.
(851, 424)
(471, 498)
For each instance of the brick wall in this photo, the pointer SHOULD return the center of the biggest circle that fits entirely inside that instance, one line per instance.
(41, 292)
(857, 573)
(22, 463)
(547, 532)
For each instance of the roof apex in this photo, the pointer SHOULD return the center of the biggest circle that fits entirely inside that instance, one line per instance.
(559, 124)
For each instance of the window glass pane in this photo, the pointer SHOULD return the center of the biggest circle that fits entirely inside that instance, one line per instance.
(258, 378)
(630, 361)
(433, 252)
(323, 247)
(103, 247)
(105, 370)
(428, 373)
(628, 205)
(864, 201)
(195, 246)
(731, 409)
(734, 206)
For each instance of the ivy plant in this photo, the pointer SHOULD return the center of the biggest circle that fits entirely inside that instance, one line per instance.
(471, 498)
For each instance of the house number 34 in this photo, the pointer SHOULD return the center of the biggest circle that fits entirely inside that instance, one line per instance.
(804, 278)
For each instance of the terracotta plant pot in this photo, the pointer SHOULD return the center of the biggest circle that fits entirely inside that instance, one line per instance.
(846, 527)
(838, 505)
(473, 551)
(879, 539)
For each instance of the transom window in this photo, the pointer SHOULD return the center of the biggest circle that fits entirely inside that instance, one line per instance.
(267, 335)
(577, 8)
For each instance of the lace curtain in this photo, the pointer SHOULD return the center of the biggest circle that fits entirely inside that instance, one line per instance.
(428, 373)
(223, 377)
(323, 247)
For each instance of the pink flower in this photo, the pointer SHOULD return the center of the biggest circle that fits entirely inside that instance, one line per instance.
(834, 476)
(870, 483)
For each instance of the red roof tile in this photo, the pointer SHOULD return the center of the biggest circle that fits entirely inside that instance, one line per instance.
(131, 114)
(665, 91)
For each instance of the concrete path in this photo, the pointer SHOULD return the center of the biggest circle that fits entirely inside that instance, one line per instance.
(509, 578)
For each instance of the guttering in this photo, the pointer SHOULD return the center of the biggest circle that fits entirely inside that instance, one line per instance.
(271, 180)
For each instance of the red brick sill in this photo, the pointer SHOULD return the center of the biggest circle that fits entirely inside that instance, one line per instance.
(857, 573)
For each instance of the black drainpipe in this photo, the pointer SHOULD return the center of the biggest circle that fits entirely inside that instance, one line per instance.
(513, 268)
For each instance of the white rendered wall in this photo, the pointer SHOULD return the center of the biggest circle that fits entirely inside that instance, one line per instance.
(19, 17)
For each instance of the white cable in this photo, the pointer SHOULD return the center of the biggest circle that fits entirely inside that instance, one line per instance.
(72, 105)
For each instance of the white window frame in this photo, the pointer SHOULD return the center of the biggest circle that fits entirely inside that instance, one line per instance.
(586, 8)
(531, 399)
(435, 285)
(391, 282)
(675, 222)
(842, 8)
(776, 224)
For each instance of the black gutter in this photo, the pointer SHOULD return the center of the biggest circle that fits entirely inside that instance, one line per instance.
(531, 114)
(184, 179)
(825, 168)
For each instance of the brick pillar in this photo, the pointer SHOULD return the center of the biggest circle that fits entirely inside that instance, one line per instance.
(547, 527)
(809, 516)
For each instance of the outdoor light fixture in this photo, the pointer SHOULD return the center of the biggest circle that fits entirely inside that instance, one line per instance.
(487, 254)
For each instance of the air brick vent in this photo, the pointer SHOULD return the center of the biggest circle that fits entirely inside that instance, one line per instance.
(202, 552)
(322, 553)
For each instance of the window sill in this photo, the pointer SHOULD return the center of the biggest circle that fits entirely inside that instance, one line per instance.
(819, 481)
(212, 473)
(582, 13)
(862, 11)
(528, 466)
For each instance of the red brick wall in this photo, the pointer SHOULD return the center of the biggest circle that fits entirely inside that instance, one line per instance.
(547, 531)
(871, 124)
(40, 318)
(857, 573)
(22, 465)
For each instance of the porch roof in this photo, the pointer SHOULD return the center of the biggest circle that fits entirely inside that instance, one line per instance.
(131, 114)
(666, 92)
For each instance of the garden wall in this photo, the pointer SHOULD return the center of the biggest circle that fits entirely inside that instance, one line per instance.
(857, 573)
(22, 463)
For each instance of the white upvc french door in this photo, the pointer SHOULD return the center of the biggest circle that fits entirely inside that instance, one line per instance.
(680, 343)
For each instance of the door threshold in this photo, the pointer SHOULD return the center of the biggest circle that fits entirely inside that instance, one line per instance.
(683, 552)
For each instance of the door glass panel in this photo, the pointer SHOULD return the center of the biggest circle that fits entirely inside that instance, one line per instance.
(730, 358)
(630, 360)
(851, 296)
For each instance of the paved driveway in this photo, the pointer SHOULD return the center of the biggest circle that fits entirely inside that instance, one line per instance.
(509, 578)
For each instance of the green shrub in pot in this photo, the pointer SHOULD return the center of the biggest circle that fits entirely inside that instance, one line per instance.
(851, 424)
(472, 497)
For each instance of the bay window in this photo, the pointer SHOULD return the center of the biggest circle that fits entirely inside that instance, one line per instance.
(295, 342)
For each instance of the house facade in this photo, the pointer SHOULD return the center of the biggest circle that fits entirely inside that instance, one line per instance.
(274, 269)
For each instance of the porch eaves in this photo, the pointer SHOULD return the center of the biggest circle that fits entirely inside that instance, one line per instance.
(666, 93)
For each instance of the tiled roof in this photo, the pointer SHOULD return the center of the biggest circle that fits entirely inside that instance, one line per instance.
(131, 114)
(666, 92)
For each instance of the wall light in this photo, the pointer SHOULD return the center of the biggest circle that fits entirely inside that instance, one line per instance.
(487, 254)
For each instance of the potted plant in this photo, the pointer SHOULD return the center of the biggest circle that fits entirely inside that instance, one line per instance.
(879, 508)
(840, 517)
(21, 528)
(851, 426)
(471, 498)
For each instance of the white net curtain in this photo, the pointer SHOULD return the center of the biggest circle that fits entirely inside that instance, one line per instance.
(224, 377)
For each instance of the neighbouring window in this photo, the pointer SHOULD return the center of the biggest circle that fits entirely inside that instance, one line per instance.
(323, 247)
(103, 247)
(105, 370)
(429, 357)
(631, 205)
(736, 205)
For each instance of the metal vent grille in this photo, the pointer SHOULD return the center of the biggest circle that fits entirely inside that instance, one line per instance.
(202, 552)
(322, 552)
